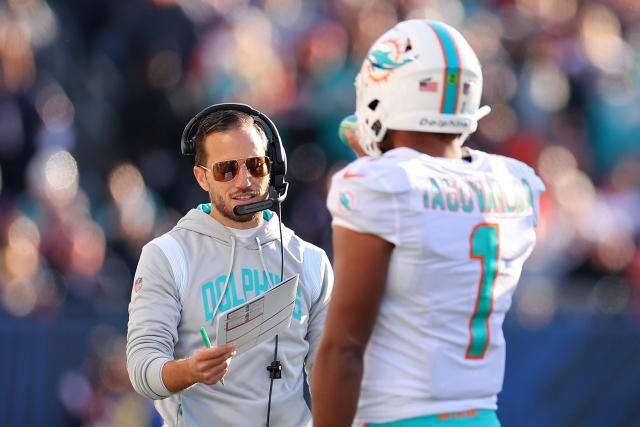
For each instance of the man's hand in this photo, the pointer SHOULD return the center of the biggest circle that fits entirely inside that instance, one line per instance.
(207, 366)
(354, 144)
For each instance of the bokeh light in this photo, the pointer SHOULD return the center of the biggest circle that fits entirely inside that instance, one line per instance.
(16, 55)
(549, 11)
(574, 192)
(137, 219)
(39, 19)
(373, 20)
(21, 256)
(88, 246)
(554, 162)
(548, 86)
(615, 251)
(483, 32)
(601, 39)
(536, 304)
(499, 82)
(61, 178)
(126, 184)
(500, 125)
(55, 108)
(611, 295)
(450, 11)
(75, 392)
(164, 70)
(284, 12)
(327, 48)
(19, 297)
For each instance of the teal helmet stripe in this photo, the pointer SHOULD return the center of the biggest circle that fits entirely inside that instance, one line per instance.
(452, 68)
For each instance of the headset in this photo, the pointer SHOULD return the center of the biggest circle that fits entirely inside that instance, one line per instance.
(275, 152)
(278, 157)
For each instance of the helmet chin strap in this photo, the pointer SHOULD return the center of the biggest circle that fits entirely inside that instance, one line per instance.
(482, 112)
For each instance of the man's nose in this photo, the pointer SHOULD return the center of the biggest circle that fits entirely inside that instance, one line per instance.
(243, 179)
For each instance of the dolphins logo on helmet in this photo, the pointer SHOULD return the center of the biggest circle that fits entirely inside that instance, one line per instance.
(385, 57)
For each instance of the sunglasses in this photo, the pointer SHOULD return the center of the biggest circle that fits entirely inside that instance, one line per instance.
(226, 170)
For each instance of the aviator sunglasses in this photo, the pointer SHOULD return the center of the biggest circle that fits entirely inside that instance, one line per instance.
(226, 170)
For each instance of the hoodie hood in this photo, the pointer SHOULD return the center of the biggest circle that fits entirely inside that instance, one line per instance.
(199, 221)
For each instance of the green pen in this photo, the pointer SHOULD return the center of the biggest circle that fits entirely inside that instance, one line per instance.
(207, 343)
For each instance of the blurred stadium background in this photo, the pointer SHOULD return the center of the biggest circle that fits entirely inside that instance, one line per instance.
(94, 96)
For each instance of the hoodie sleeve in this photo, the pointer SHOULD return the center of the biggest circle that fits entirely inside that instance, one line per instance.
(154, 314)
(318, 267)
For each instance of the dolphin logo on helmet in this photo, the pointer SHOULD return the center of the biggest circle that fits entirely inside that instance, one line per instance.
(386, 56)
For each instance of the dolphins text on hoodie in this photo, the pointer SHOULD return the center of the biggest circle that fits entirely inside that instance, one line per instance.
(198, 269)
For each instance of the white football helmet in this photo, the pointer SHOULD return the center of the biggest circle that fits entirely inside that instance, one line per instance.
(421, 75)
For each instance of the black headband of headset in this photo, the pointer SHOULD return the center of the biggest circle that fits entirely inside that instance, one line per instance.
(275, 151)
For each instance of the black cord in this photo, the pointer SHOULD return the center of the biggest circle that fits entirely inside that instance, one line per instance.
(275, 371)
(281, 243)
(275, 368)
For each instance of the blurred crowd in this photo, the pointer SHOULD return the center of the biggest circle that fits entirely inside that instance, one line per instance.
(94, 96)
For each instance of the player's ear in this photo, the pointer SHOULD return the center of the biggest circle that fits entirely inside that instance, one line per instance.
(201, 177)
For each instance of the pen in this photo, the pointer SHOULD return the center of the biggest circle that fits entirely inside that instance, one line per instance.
(207, 343)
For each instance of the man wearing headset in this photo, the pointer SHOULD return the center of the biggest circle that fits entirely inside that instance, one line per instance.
(429, 241)
(214, 260)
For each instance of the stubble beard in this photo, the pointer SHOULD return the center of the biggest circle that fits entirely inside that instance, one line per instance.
(226, 210)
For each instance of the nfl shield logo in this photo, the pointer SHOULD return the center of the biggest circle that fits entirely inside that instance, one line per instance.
(137, 284)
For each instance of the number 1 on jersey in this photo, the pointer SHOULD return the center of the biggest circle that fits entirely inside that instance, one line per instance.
(486, 249)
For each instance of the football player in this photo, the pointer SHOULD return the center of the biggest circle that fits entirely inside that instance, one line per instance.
(429, 242)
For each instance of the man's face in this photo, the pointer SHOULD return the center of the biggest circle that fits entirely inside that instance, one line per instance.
(244, 188)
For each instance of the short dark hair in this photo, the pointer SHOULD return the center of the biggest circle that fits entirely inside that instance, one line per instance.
(220, 121)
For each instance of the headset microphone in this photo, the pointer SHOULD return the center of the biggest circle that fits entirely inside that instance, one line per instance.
(250, 208)
(275, 152)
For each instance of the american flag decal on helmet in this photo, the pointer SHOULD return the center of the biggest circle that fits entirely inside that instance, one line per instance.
(427, 85)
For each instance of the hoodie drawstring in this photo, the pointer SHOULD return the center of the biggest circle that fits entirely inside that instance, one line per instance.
(226, 282)
(300, 287)
(264, 266)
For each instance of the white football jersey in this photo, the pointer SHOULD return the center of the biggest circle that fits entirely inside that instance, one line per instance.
(462, 231)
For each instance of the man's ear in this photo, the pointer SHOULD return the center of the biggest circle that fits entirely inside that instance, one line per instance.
(201, 177)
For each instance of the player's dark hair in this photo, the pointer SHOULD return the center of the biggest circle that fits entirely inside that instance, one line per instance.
(221, 121)
(387, 144)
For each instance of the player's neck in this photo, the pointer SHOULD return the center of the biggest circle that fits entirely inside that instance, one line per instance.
(430, 144)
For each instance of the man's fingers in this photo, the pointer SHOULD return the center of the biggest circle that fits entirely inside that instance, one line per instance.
(354, 144)
(212, 364)
(218, 352)
(213, 377)
(210, 370)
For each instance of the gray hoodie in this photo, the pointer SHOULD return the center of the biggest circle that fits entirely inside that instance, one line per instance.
(199, 269)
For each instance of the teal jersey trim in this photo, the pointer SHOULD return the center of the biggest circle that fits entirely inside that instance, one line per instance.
(473, 418)
(206, 208)
(452, 67)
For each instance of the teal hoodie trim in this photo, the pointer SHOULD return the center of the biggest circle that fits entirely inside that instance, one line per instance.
(206, 208)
